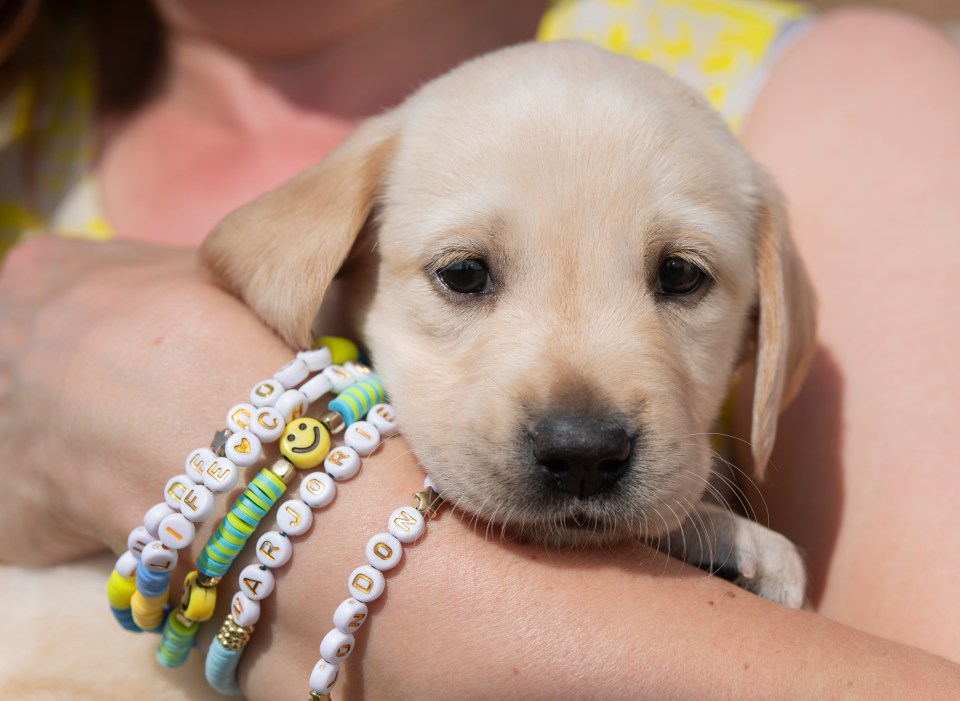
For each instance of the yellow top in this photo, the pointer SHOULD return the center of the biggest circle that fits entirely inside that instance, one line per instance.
(719, 47)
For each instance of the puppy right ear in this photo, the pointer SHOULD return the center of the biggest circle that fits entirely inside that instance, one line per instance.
(280, 252)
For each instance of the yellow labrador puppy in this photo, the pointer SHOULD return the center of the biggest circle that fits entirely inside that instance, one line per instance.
(558, 258)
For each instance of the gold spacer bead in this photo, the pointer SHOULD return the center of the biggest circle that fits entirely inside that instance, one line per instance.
(283, 469)
(332, 421)
(206, 581)
(317, 696)
(428, 502)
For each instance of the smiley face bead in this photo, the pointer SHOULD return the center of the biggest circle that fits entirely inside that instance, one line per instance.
(305, 443)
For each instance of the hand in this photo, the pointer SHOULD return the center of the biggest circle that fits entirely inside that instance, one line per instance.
(116, 360)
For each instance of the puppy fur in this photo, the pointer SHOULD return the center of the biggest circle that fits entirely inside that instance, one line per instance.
(572, 173)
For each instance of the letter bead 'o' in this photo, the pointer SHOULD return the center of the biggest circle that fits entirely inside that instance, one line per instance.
(256, 582)
(266, 393)
(336, 646)
(244, 610)
(317, 489)
(384, 551)
(362, 436)
(294, 517)
(350, 615)
(406, 524)
(366, 584)
(274, 549)
(323, 677)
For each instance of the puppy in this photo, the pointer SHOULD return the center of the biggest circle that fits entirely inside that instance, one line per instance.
(558, 258)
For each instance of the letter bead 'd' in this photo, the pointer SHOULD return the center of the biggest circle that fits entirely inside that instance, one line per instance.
(274, 549)
(366, 583)
(176, 487)
(342, 463)
(316, 359)
(362, 436)
(317, 490)
(138, 539)
(156, 557)
(256, 582)
(266, 393)
(406, 524)
(198, 503)
(323, 677)
(350, 615)
(292, 374)
(294, 517)
(384, 418)
(196, 462)
(292, 404)
(155, 514)
(176, 531)
(243, 448)
(245, 611)
(221, 475)
(384, 551)
(336, 646)
(267, 424)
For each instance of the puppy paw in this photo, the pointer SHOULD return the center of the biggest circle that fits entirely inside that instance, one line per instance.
(770, 566)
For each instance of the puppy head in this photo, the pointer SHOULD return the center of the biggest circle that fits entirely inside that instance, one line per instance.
(572, 254)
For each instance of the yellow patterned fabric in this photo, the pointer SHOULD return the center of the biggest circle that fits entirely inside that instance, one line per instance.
(47, 132)
(721, 48)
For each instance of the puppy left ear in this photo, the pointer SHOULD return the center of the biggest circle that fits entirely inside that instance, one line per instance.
(786, 325)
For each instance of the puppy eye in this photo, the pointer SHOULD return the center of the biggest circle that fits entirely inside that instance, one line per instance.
(678, 276)
(468, 277)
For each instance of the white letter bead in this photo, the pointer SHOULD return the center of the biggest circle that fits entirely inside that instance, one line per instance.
(358, 371)
(155, 514)
(176, 531)
(221, 475)
(256, 582)
(176, 487)
(384, 551)
(294, 517)
(274, 549)
(350, 615)
(267, 424)
(316, 387)
(362, 436)
(245, 611)
(342, 463)
(336, 646)
(196, 463)
(243, 448)
(384, 418)
(406, 524)
(292, 404)
(240, 416)
(339, 378)
(266, 393)
(157, 557)
(292, 374)
(323, 677)
(198, 503)
(137, 540)
(366, 583)
(316, 359)
(126, 564)
(317, 490)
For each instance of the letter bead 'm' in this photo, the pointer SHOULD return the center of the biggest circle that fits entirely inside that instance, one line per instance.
(266, 393)
(240, 416)
(176, 487)
(138, 539)
(274, 549)
(339, 377)
(342, 463)
(294, 517)
(221, 475)
(316, 387)
(243, 448)
(336, 646)
(157, 557)
(267, 424)
(366, 583)
(155, 514)
(316, 359)
(256, 582)
(176, 531)
(198, 503)
(406, 524)
(196, 462)
(245, 611)
(323, 676)
(384, 418)
(362, 436)
(384, 551)
(350, 615)
(317, 490)
(126, 565)
(292, 404)
(292, 374)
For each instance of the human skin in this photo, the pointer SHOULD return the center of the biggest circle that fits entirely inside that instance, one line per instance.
(120, 327)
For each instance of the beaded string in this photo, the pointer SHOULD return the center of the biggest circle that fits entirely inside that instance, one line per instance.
(294, 518)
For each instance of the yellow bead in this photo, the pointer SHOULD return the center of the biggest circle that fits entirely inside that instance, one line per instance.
(120, 589)
(341, 349)
(198, 602)
(305, 443)
(147, 610)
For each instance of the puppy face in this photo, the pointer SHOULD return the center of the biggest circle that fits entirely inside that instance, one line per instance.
(571, 255)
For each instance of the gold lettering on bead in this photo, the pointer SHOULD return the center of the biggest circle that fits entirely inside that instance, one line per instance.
(196, 462)
(176, 493)
(337, 457)
(243, 446)
(314, 486)
(383, 551)
(297, 412)
(172, 532)
(264, 390)
(342, 374)
(241, 417)
(218, 473)
(405, 521)
(190, 499)
(357, 620)
(252, 585)
(267, 425)
(294, 514)
(344, 650)
(382, 411)
(362, 583)
(268, 549)
(237, 606)
(362, 432)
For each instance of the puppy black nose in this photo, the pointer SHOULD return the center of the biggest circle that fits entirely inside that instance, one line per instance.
(581, 455)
